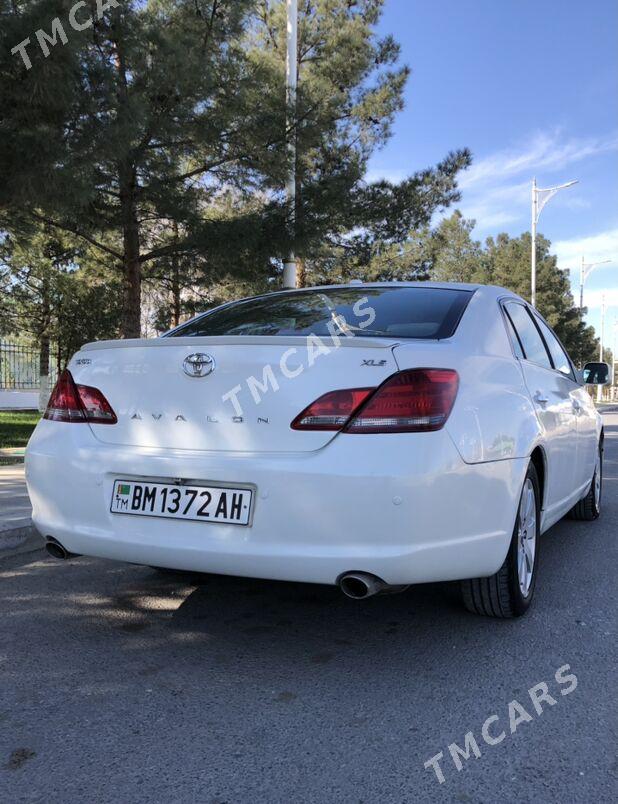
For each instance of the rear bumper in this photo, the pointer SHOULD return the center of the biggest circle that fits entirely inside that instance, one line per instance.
(404, 507)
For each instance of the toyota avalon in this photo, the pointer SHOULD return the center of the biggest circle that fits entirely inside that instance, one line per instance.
(370, 436)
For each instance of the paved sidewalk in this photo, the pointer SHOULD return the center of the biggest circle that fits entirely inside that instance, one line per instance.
(19, 400)
(15, 508)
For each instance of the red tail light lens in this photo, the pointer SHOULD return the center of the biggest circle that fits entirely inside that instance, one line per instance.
(415, 401)
(331, 411)
(96, 408)
(64, 404)
(78, 403)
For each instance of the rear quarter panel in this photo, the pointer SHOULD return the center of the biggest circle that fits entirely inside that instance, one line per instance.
(493, 417)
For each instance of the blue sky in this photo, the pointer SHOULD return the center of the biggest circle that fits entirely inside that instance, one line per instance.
(531, 87)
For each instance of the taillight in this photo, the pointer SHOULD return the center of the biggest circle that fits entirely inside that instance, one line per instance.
(64, 404)
(331, 411)
(96, 408)
(78, 403)
(414, 401)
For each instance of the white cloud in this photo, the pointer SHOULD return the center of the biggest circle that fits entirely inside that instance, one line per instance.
(496, 189)
(575, 202)
(546, 151)
(593, 299)
(594, 248)
(496, 206)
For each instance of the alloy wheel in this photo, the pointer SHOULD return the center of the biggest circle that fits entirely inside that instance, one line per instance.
(597, 482)
(526, 537)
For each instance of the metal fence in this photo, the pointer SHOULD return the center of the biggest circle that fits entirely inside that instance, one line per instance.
(19, 367)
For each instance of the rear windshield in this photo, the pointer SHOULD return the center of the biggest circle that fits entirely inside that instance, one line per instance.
(404, 312)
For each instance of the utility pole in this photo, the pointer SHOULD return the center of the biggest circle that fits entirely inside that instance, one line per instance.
(535, 219)
(582, 279)
(540, 197)
(614, 362)
(601, 349)
(291, 79)
(584, 272)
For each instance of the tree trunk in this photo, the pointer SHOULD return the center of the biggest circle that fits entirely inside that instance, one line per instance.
(44, 347)
(176, 309)
(132, 269)
(301, 273)
(43, 371)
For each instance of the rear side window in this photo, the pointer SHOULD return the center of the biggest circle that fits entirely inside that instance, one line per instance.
(529, 336)
(390, 312)
(558, 355)
(514, 338)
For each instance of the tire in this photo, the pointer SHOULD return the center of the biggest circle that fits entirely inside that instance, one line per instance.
(589, 507)
(506, 594)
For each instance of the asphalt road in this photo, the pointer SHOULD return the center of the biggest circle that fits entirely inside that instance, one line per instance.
(120, 685)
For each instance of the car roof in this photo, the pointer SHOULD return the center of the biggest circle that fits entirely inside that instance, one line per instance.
(489, 290)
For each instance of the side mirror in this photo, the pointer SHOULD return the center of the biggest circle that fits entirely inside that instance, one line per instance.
(596, 374)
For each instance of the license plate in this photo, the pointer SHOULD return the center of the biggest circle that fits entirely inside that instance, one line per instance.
(195, 503)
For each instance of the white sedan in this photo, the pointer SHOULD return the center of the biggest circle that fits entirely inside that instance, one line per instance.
(371, 436)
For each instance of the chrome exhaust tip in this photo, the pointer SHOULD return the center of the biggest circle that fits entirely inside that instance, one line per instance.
(56, 550)
(359, 585)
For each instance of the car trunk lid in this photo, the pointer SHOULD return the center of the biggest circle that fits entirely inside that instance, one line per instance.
(245, 400)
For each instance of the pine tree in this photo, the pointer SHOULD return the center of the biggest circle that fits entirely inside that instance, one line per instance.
(350, 88)
(157, 137)
(36, 102)
(449, 253)
(508, 264)
(167, 112)
(457, 256)
(47, 285)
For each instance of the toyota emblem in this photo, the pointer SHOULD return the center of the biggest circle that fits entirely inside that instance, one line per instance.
(198, 365)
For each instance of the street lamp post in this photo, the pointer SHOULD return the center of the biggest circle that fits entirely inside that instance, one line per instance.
(612, 387)
(291, 81)
(535, 218)
(586, 269)
(601, 346)
(540, 197)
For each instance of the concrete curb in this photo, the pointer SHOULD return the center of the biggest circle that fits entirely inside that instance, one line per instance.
(12, 456)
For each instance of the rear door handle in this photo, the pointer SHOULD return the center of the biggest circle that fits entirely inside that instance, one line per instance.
(540, 399)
